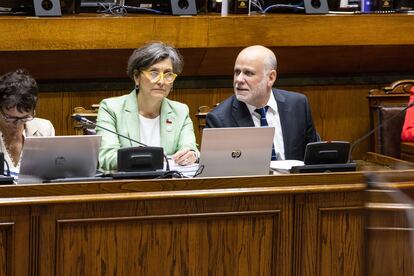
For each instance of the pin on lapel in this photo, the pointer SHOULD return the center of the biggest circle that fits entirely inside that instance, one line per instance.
(169, 125)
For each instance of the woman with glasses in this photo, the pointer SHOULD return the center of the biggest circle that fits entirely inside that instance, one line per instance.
(18, 98)
(146, 115)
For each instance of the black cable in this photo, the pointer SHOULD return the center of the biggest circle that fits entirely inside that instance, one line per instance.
(261, 9)
(282, 6)
(199, 170)
(171, 174)
(86, 122)
(122, 10)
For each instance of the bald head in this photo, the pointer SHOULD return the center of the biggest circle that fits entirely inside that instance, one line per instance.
(254, 75)
(262, 54)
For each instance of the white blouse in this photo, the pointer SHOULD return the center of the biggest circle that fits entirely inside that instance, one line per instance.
(149, 130)
(14, 170)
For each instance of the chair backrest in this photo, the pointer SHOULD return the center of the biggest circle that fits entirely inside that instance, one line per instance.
(89, 114)
(389, 138)
(385, 103)
(201, 116)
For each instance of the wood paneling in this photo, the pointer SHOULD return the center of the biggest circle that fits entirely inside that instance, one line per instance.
(389, 229)
(333, 226)
(407, 151)
(93, 48)
(187, 244)
(340, 241)
(310, 224)
(111, 32)
(331, 108)
(6, 247)
(14, 240)
(312, 61)
(249, 230)
(222, 236)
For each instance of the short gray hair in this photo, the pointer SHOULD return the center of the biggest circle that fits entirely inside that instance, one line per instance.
(152, 53)
(271, 63)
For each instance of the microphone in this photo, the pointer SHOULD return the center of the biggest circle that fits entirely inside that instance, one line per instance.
(85, 121)
(359, 140)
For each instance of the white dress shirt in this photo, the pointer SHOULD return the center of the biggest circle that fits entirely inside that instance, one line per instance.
(273, 120)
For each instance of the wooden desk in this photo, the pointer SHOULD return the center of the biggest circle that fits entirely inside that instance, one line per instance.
(407, 151)
(268, 225)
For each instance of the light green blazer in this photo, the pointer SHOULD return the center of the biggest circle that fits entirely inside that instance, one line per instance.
(120, 114)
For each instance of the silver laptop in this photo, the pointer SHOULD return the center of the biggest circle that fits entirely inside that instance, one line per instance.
(46, 158)
(236, 151)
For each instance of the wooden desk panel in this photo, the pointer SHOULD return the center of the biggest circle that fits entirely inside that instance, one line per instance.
(389, 230)
(16, 241)
(407, 151)
(270, 225)
(331, 234)
(254, 230)
(246, 235)
(225, 236)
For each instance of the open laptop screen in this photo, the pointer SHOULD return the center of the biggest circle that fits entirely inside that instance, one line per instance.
(236, 151)
(46, 158)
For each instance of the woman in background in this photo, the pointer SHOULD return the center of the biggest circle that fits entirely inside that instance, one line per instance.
(18, 98)
(145, 114)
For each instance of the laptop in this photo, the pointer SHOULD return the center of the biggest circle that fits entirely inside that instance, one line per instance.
(59, 157)
(236, 151)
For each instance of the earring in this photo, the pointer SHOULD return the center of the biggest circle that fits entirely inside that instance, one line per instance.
(137, 87)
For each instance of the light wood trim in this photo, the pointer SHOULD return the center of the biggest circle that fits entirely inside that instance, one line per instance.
(90, 31)
(169, 217)
(179, 194)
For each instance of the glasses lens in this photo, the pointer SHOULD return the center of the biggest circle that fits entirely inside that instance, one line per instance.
(169, 77)
(155, 76)
(24, 120)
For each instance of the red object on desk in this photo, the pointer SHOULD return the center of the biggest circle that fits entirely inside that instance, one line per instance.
(407, 134)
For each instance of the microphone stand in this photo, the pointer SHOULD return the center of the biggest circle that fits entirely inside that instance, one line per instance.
(375, 129)
(85, 121)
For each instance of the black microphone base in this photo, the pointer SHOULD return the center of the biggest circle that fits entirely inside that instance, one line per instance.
(138, 175)
(345, 167)
(4, 180)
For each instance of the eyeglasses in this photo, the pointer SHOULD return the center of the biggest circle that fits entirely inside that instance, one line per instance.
(13, 119)
(155, 76)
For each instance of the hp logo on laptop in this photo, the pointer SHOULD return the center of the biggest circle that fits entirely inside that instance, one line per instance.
(236, 154)
(60, 161)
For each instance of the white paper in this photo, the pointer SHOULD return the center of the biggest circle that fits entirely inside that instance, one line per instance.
(187, 171)
(285, 165)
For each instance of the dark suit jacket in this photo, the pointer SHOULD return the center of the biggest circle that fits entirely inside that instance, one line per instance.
(295, 119)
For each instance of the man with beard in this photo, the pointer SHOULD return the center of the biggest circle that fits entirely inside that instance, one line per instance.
(255, 103)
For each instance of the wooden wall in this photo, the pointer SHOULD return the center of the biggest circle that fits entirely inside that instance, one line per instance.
(334, 60)
(339, 112)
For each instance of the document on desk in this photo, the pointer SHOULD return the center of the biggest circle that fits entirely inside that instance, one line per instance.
(187, 171)
(284, 166)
